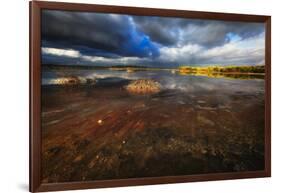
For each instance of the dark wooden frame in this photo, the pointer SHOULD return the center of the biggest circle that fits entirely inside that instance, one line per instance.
(35, 95)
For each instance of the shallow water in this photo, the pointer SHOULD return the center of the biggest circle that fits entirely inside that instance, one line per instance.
(194, 125)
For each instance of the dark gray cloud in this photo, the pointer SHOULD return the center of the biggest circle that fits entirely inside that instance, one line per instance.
(162, 30)
(99, 32)
(209, 33)
(82, 29)
(217, 33)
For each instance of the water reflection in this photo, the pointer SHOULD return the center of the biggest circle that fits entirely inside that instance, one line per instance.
(50, 75)
(196, 124)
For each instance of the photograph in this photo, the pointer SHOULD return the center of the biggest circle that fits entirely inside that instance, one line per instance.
(127, 96)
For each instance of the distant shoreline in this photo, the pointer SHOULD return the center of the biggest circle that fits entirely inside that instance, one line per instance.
(243, 70)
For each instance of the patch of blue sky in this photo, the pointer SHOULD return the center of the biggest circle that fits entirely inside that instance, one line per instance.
(232, 37)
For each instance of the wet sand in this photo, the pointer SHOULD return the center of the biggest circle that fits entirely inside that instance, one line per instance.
(194, 125)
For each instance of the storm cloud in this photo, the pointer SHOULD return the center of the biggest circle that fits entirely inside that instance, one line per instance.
(96, 33)
(208, 33)
(109, 39)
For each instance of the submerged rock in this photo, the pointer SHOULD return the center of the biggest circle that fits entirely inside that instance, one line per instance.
(205, 121)
(90, 81)
(143, 86)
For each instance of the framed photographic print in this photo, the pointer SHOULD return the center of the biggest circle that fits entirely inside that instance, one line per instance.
(123, 96)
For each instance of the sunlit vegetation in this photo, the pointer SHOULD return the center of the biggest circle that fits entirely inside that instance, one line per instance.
(220, 69)
(73, 80)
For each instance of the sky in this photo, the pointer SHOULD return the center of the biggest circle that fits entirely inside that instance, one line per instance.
(98, 39)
